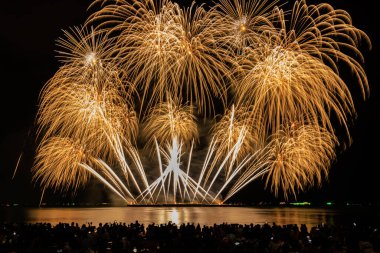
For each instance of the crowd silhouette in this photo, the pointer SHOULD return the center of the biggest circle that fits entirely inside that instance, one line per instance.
(169, 237)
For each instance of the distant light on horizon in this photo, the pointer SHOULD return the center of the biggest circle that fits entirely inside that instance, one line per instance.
(301, 203)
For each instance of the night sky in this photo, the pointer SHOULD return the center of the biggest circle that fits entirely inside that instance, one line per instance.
(27, 60)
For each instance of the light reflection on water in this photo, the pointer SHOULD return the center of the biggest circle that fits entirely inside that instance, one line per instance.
(179, 215)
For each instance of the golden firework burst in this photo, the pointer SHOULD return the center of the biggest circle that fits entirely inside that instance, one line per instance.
(298, 156)
(168, 121)
(163, 48)
(282, 69)
(58, 164)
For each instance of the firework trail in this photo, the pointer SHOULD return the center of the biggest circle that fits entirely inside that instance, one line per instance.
(234, 124)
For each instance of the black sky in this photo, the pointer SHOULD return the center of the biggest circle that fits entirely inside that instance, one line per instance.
(27, 60)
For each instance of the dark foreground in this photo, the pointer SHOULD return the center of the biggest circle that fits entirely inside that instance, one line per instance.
(135, 237)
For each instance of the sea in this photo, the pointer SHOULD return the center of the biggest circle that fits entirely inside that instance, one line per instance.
(209, 215)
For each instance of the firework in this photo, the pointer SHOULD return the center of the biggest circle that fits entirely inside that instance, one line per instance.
(168, 121)
(292, 75)
(174, 184)
(176, 64)
(164, 48)
(64, 164)
(299, 156)
(202, 66)
(245, 22)
(326, 34)
(58, 164)
(89, 105)
(282, 86)
(148, 40)
(86, 48)
(227, 131)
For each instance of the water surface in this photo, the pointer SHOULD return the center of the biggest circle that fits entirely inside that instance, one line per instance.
(179, 215)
